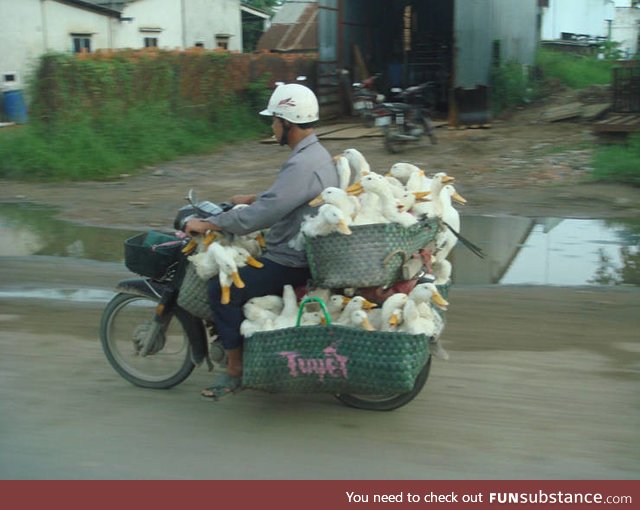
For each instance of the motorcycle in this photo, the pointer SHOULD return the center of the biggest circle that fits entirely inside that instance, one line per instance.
(366, 100)
(154, 343)
(406, 120)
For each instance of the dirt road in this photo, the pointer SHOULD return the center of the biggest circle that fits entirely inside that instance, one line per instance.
(542, 382)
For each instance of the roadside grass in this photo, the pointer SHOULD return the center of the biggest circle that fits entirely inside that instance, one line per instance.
(104, 147)
(618, 163)
(611, 163)
(573, 70)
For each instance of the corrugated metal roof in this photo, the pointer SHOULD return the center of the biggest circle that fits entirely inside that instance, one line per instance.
(291, 11)
(298, 33)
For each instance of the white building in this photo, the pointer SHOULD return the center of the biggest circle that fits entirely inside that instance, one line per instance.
(29, 28)
(616, 20)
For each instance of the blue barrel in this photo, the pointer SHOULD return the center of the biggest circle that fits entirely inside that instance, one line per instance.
(14, 106)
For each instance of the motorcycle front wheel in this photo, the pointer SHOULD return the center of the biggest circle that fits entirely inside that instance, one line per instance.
(391, 140)
(387, 402)
(126, 320)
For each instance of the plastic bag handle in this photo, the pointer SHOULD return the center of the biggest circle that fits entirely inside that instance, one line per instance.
(322, 306)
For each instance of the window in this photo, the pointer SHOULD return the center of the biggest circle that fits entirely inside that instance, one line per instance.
(150, 36)
(199, 44)
(10, 78)
(81, 43)
(222, 41)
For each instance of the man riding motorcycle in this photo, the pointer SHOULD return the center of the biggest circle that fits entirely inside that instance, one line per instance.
(281, 208)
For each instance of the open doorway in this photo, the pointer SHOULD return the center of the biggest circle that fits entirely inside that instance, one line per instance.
(405, 42)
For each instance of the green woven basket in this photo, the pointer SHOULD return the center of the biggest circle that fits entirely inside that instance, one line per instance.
(333, 359)
(371, 256)
(194, 295)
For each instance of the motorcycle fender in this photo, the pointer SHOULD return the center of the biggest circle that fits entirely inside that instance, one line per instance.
(194, 327)
(141, 287)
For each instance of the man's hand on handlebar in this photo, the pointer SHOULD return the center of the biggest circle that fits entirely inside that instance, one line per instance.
(197, 226)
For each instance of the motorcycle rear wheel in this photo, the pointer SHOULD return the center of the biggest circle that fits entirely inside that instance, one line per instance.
(124, 322)
(387, 402)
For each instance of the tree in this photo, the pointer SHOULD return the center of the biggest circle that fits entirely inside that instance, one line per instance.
(251, 30)
(264, 5)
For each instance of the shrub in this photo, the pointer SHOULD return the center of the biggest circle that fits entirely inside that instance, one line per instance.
(98, 115)
(618, 163)
(573, 70)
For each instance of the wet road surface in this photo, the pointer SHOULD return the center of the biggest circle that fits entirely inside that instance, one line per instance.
(542, 383)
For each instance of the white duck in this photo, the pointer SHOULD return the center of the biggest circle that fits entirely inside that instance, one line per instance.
(348, 204)
(356, 303)
(390, 311)
(441, 270)
(360, 319)
(434, 208)
(402, 171)
(395, 186)
(407, 200)
(415, 324)
(312, 318)
(242, 257)
(446, 240)
(376, 184)
(289, 313)
(335, 305)
(424, 294)
(357, 162)
(256, 319)
(270, 303)
(205, 264)
(329, 219)
(225, 256)
(345, 175)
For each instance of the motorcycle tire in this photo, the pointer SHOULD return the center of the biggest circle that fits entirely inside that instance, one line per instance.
(391, 142)
(124, 322)
(430, 130)
(369, 120)
(391, 401)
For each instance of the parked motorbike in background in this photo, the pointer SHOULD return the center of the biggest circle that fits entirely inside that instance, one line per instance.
(366, 99)
(407, 119)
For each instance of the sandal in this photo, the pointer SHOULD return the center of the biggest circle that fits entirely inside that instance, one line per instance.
(224, 385)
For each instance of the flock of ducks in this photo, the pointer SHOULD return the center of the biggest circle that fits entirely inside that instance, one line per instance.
(403, 195)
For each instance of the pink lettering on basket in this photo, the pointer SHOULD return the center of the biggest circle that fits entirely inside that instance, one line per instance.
(332, 364)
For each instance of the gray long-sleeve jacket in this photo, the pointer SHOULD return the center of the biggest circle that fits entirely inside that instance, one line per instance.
(308, 171)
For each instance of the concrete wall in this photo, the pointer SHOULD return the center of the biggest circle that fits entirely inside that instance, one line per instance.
(147, 16)
(624, 29)
(29, 28)
(206, 18)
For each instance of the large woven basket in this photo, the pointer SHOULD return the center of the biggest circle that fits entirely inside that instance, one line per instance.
(194, 295)
(333, 359)
(373, 255)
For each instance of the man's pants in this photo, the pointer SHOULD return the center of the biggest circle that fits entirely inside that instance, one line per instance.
(268, 280)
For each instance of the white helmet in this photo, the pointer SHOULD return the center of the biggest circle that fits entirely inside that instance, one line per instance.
(293, 102)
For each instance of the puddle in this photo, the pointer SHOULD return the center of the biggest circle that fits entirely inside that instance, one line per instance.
(32, 230)
(543, 251)
(549, 251)
(77, 295)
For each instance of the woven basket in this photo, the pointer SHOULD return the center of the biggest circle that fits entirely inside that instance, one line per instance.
(371, 256)
(333, 359)
(194, 295)
(152, 253)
